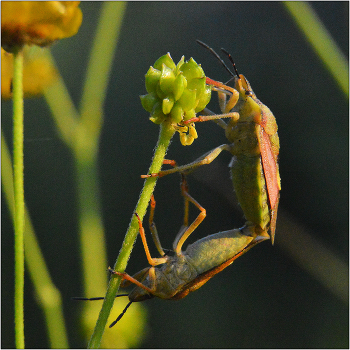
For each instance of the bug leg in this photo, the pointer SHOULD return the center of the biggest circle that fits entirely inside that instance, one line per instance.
(151, 261)
(183, 235)
(226, 90)
(153, 229)
(133, 280)
(220, 122)
(213, 117)
(207, 158)
(137, 276)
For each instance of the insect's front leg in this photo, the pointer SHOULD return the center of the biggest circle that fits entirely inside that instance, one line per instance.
(214, 117)
(207, 158)
(223, 91)
(220, 122)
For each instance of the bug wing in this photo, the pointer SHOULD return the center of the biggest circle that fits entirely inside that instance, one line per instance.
(271, 173)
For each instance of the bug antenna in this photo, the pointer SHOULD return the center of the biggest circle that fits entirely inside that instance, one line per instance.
(121, 315)
(216, 55)
(231, 60)
(97, 298)
(87, 299)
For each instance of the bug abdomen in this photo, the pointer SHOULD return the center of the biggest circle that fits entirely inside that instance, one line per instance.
(250, 187)
(213, 250)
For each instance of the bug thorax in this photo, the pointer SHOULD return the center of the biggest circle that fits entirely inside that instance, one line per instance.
(243, 137)
(178, 268)
(166, 279)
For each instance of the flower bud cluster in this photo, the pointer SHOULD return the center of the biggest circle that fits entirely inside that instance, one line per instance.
(177, 92)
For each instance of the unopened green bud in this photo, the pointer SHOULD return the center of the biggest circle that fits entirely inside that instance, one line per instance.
(189, 114)
(167, 60)
(152, 79)
(177, 113)
(157, 115)
(192, 70)
(204, 99)
(148, 101)
(167, 79)
(167, 104)
(179, 65)
(188, 99)
(160, 93)
(180, 84)
(197, 84)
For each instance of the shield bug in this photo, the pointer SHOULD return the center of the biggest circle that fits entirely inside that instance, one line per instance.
(254, 145)
(173, 276)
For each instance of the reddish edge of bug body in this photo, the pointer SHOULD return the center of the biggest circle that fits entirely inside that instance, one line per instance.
(271, 178)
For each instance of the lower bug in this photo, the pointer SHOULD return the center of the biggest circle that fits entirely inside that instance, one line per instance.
(173, 276)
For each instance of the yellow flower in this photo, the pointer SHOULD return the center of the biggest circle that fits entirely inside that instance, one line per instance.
(38, 72)
(38, 22)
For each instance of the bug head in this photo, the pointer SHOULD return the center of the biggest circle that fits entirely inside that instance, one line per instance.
(243, 82)
(247, 87)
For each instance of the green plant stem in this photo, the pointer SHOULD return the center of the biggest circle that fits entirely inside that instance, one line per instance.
(18, 195)
(85, 149)
(81, 132)
(49, 297)
(100, 62)
(92, 239)
(165, 135)
(322, 42)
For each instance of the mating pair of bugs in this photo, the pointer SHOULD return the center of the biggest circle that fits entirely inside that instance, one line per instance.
(254, 145)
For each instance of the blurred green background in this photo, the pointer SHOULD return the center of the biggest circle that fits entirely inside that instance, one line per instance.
(285, 296)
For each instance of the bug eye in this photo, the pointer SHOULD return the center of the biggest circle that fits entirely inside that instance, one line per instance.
(249, 93)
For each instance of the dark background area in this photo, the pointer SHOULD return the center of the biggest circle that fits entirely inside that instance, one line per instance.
(265, 299)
